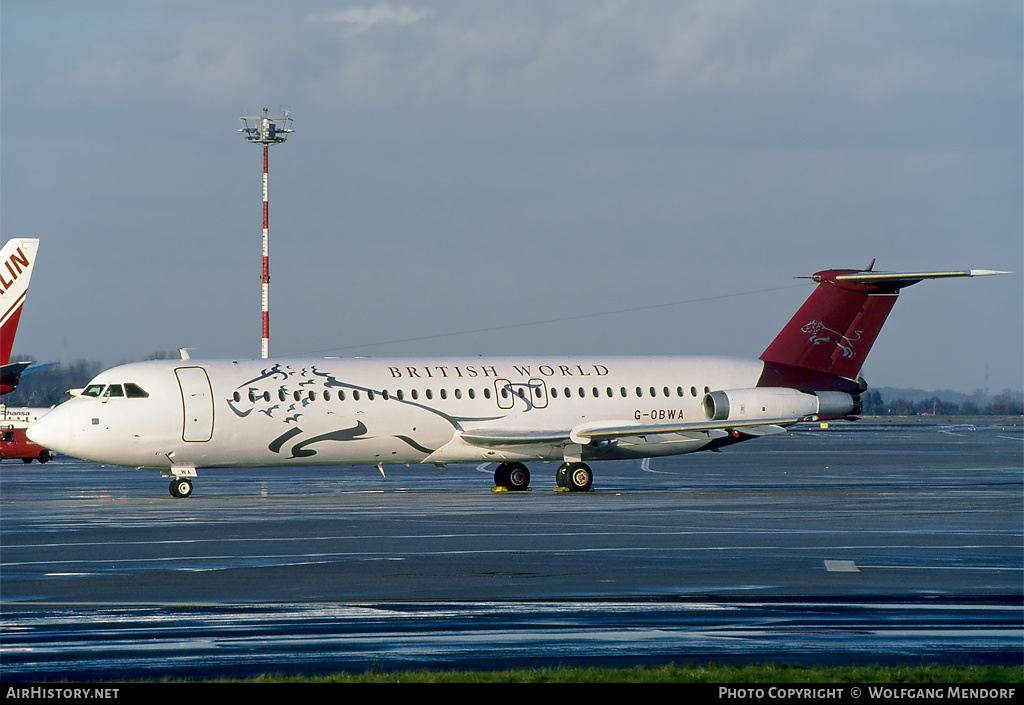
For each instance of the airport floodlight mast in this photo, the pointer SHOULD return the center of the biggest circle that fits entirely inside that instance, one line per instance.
(266, 130)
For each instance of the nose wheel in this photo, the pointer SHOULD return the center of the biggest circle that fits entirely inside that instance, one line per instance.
(181, 487)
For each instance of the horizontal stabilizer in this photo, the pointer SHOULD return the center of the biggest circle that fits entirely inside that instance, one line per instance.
(11, 373)
(912, 277)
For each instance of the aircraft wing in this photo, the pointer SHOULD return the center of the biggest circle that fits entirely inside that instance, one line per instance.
(615, 430)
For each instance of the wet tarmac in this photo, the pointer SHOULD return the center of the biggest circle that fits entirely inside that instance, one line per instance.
(862, 543)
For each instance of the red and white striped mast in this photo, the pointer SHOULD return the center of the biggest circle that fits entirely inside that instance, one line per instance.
(265, 130)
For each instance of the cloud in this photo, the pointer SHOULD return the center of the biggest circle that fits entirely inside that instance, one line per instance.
(364, 18)
(537, 58)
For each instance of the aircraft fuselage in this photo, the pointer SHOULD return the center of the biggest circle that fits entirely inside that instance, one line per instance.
(387, 411)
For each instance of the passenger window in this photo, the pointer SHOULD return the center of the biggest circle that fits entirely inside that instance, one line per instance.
(444, 394)
(114, 390)
(236, 396)
(487, 393)
(430, 394)
(665, 390)
(472, 393)
(297, 396)
(355, 394)
(252, 395)
(415, 394)
(622, 391)
(554, 392)
(93, 390)
(369, 394)
(400, 395)
(458, 393)
(341, 395)
(281, 395)
(693, 391)
(384, 393)
(134, 391)
(327, 395)
(679, 391)
(639, 392)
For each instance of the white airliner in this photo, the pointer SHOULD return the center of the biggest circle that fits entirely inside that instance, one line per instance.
(183, 415)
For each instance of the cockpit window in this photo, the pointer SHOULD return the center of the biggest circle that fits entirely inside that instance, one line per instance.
(114, 390)
(134, 391)
(93, 390)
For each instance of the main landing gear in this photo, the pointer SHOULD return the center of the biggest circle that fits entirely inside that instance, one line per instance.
(575, 477)
(515, 477)
(181, 487)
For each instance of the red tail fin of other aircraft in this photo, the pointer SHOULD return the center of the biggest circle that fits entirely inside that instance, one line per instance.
(16, 262)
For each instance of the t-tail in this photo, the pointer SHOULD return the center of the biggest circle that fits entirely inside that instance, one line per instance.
(823, 347)
(16, 262)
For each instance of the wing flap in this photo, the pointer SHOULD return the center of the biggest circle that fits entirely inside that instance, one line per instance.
(506, 437)
(619, 430)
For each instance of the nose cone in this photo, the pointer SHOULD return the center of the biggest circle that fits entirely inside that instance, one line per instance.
(53, 431)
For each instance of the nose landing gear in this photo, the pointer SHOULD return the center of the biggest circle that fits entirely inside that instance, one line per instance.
(181, 487)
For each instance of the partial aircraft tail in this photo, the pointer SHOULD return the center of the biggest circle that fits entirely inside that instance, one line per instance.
(824, 345)
(16, 261)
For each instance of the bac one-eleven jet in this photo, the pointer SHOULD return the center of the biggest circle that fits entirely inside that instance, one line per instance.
(184, 415)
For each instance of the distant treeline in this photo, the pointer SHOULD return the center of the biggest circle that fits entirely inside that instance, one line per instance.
(1005, 404)
(49, 386)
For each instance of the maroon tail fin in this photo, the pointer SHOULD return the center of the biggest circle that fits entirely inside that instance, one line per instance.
(824, 345)
(833, 331)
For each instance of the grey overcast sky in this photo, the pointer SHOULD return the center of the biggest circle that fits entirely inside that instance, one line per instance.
(469, 166)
